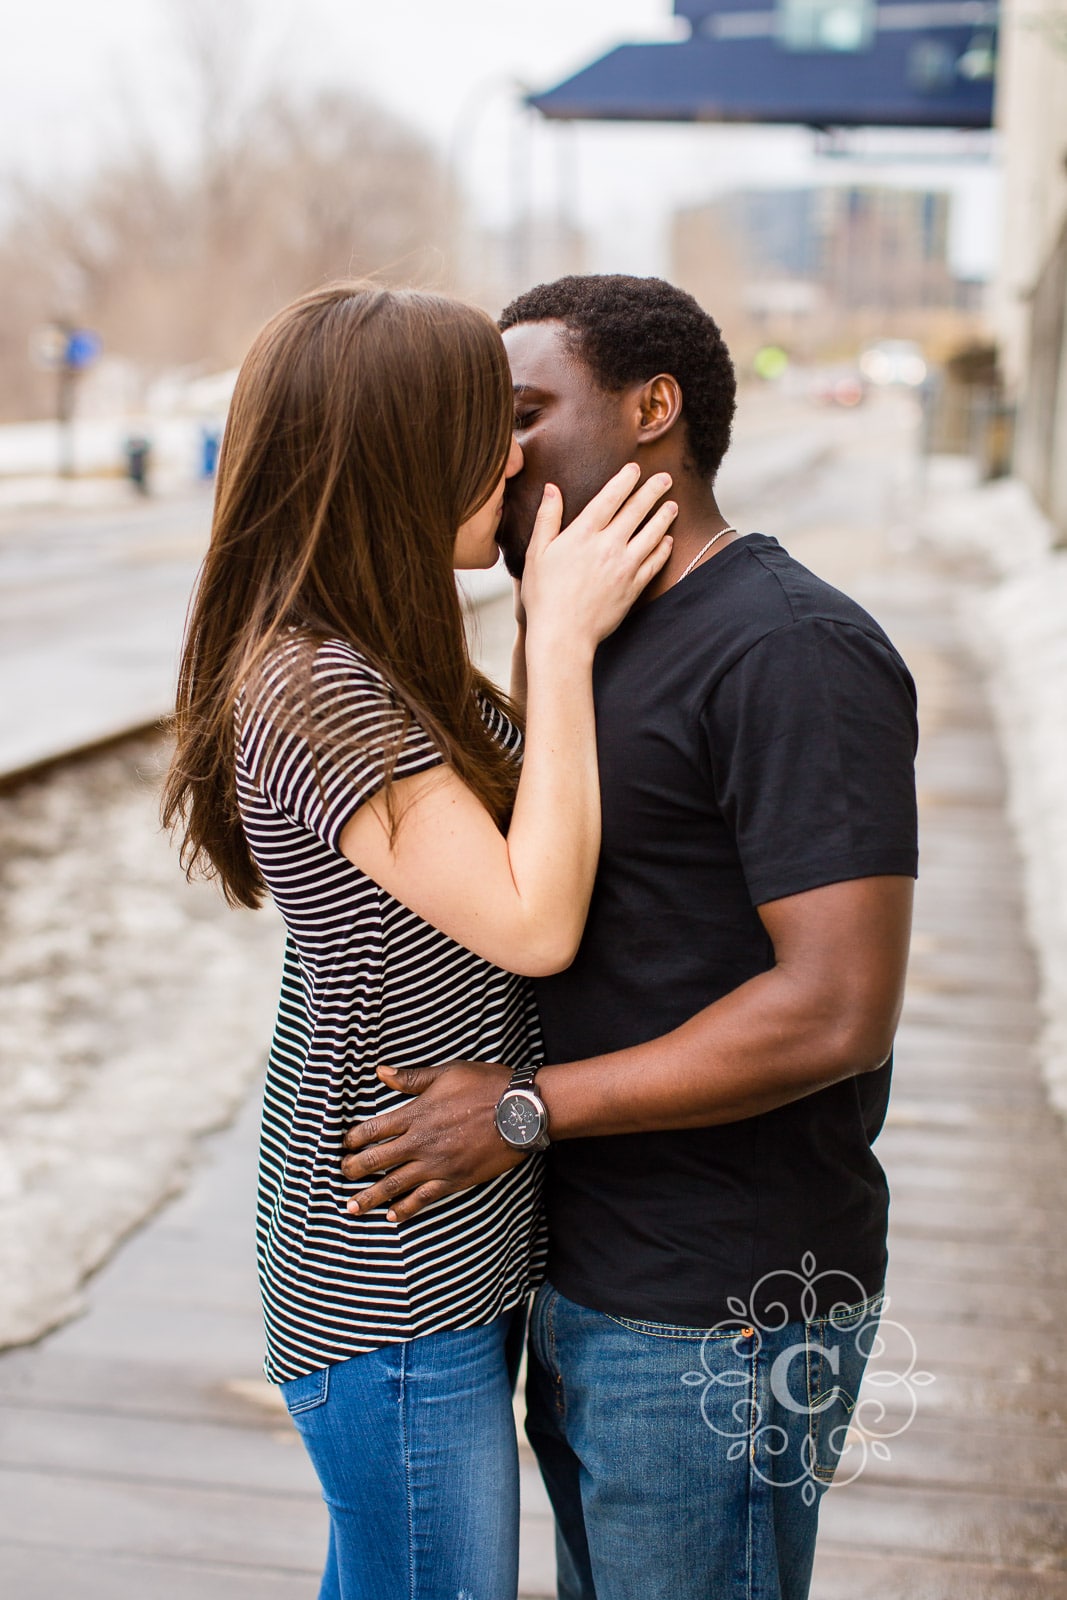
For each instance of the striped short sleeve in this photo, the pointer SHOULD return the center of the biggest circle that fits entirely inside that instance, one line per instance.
(318, 753)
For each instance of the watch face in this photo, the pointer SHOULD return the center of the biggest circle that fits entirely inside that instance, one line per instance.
(519, 1118)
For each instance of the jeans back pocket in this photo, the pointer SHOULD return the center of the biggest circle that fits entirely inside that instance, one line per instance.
(306, 1392)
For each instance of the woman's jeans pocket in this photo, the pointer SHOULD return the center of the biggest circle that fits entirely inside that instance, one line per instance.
(307, 1392)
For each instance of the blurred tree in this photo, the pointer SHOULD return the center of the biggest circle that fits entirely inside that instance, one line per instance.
(177, 265)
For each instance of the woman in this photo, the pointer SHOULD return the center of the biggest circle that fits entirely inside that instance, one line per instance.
(337, 747)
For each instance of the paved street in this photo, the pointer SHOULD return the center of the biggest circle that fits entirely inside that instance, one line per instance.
(141, 1454)
(91, 612)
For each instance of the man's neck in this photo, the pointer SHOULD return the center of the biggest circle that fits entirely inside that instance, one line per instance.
(700, 532)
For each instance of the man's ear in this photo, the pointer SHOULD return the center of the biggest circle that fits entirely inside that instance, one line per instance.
(660, 406)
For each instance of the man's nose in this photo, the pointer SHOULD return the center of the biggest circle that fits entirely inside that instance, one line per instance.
(515, 459)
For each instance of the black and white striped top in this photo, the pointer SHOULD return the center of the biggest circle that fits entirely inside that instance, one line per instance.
(365, 980)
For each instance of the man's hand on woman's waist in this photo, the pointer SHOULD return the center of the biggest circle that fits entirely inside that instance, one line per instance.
(442, 1141)
(825, 1011)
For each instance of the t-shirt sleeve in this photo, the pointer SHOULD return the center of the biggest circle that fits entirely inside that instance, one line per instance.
(349, 731)
(812, 737)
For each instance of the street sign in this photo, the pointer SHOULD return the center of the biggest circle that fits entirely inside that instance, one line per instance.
(68, 352)
(55, 346)
(83, 348)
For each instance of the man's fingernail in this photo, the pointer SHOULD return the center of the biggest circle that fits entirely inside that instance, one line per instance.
(391, 1216)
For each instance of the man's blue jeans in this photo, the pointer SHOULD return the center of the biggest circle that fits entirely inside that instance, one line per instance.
(686, 1464)
(415, 1448)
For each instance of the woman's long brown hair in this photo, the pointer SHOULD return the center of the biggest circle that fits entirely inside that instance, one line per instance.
(366, 425)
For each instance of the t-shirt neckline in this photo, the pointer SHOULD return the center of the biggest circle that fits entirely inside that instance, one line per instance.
(705, 566)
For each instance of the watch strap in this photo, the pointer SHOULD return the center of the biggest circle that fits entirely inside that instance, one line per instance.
(523, 1078)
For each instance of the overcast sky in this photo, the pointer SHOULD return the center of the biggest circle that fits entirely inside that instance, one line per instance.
(75, 73)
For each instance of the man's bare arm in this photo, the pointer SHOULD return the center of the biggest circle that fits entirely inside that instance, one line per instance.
(827, 1010)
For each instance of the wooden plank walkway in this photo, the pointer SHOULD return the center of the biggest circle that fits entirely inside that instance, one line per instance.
(141, 1453)
(972, 1504)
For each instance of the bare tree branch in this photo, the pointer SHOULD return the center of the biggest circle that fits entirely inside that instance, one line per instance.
(179, 264)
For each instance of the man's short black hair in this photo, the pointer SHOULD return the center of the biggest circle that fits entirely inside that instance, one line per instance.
(627, 330)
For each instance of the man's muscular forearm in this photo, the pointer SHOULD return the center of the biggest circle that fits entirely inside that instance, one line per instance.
(752, 1051)
(825, 1011)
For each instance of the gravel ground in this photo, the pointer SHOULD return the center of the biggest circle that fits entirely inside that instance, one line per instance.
(136, 1013)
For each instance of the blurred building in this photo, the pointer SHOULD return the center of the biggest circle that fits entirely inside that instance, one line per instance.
(1031, 300)
(825, 264)
(868, 246)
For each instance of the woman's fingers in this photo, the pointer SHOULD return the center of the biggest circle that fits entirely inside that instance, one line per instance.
(619, 509)
(641, 503)
(608, 513)
(651, 535)
(645, 552)
(548, 519)
(586, 580)
(602, 509)
(653, 563)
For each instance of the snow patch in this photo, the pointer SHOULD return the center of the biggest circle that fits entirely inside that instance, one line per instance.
(1016, 622)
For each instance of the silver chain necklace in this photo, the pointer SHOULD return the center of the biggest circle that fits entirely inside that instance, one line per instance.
(702, 553)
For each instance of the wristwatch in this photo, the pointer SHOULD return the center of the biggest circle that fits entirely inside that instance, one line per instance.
(521, 1115)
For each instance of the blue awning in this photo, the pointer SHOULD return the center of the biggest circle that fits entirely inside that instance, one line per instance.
(905, 78)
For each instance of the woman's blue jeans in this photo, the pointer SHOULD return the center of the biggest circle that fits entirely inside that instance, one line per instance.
(684, 1463)
(415, 1448)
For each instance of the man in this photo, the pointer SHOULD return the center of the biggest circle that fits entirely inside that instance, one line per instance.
(718, 1052)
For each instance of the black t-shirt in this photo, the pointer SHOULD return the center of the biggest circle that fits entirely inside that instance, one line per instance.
(756, 732)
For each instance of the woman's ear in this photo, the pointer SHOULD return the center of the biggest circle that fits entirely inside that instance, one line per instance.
(660, 403)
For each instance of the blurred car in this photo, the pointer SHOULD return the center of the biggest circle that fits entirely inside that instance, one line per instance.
(894, 361)
(841, 385)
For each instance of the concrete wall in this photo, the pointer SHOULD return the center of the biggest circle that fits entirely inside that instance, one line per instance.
(1032, 286)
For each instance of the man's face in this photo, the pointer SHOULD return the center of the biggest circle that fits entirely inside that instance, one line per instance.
(572, 433)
